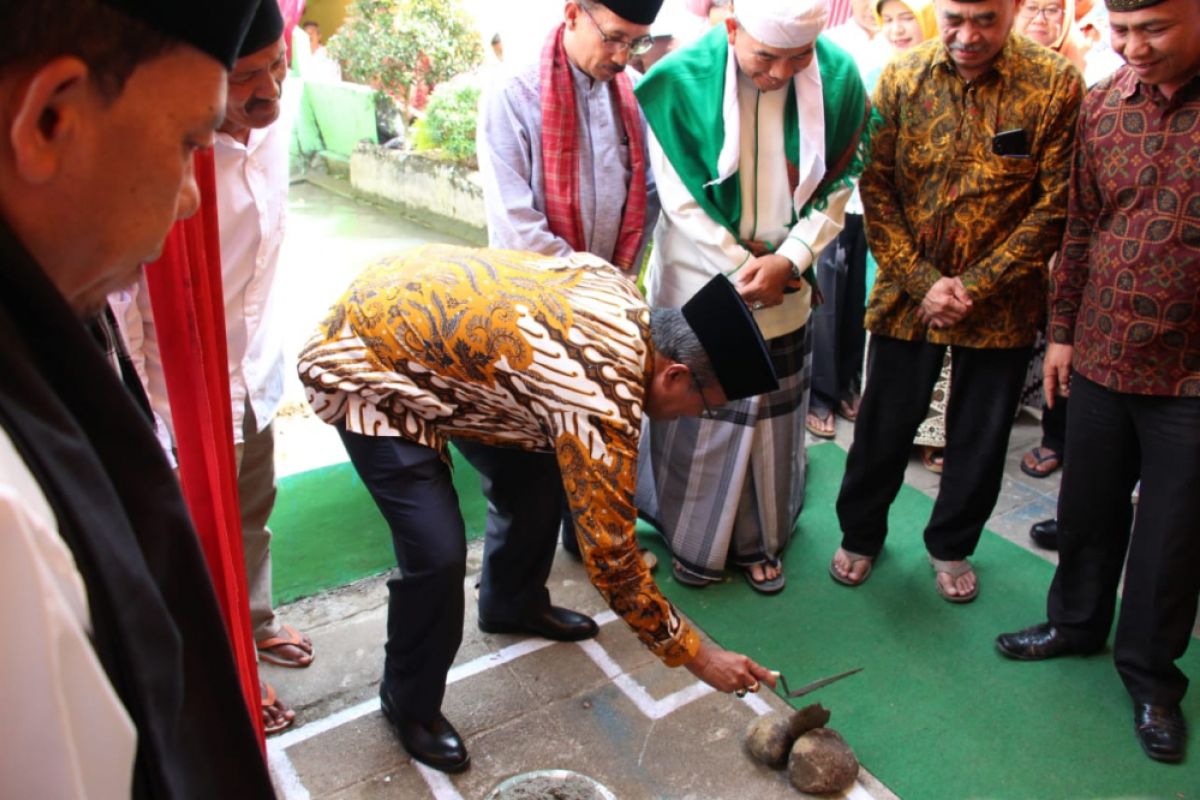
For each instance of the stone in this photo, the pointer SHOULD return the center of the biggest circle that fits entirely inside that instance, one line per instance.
(821, 762)
(769, 738)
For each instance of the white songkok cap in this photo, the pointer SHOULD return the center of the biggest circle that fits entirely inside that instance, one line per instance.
(785, 24)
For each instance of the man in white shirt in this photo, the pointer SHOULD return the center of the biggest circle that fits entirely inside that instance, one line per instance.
(251, 155)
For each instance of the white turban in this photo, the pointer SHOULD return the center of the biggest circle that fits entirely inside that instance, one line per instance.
(785, 24)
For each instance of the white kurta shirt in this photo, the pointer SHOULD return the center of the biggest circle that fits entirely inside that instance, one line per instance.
(69, 734)
(690, 247)
(252, 185)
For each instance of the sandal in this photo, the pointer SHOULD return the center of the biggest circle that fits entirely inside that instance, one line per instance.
(270, 700)
(820, 423)
(287, 635)
(847, 407)
(769, 586)
(1041, 462)
(955, 569)
(686, 578)
(855, 559)
(933, 459)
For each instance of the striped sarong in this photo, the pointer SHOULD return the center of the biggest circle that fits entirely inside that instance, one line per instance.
(731, 488)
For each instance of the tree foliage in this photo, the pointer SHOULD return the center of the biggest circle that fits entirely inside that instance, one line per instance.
(449, 123)
(405, 47)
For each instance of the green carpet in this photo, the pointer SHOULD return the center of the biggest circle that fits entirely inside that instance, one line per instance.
(327, 532)
(937, 713)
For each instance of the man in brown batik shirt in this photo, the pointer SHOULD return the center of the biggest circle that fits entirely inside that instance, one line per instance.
(965, 197)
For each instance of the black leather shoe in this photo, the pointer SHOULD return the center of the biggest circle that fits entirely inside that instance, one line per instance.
(559, 624)
(1161, 731)
(435, 743)
(1038, 643)
(1045, 534)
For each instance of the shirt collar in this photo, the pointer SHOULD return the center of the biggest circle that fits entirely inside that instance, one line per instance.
(1127, 83)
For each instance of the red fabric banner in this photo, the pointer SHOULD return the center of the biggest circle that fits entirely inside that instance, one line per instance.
(189, 313)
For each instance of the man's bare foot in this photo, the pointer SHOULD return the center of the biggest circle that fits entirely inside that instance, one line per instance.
(276, 716)
(850, 569)
(288, 649)
(956, 580)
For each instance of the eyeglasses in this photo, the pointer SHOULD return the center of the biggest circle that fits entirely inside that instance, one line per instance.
(1049, 13)
(639, 46)
(709, 412)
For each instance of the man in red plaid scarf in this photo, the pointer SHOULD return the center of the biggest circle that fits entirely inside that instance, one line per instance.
(562, 151)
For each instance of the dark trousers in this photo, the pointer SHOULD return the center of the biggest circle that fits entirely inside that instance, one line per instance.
(412, 487)
(1112, 440)
(1054, 426)
(838, 336)
(985, 386)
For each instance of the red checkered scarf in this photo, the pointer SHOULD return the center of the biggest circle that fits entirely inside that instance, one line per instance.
(560, 155)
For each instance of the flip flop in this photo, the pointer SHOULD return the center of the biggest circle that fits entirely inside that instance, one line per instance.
(817, 420)
(954, 571)
(268, 700)
(288, 635)
(686, 578)
(847, 407)
(1041, 462)
(771, 586)
(854, 559)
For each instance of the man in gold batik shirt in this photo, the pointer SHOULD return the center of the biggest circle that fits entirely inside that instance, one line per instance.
(540, 369)
(965, 198)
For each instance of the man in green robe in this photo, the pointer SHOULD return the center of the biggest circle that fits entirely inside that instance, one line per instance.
(755, 133)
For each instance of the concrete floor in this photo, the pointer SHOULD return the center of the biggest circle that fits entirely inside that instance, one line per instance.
(605, 708)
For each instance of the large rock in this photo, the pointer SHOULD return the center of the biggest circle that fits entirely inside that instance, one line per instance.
(769, 738)
(822, 762)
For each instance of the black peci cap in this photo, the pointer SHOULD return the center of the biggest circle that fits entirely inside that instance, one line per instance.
(265, 29)
(639, 12)
(215, 27)
(731, 338)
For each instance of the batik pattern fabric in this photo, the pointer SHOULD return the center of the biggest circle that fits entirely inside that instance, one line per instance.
(732, 488)
(1127, 288)
(513, 350)
(939, 202)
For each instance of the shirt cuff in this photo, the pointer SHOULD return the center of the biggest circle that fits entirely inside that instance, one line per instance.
(797, 251)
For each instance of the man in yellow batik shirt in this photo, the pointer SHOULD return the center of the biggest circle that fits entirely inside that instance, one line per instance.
(965, 197)
(513, 355)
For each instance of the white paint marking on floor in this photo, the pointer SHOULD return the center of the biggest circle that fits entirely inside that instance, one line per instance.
(287, 781)
(493, 660)
(302, 734)
(637, 694)
(438, 783)
(283, 775)
(757, 704)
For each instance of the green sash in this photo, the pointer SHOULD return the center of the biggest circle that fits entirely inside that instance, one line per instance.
(682, 97)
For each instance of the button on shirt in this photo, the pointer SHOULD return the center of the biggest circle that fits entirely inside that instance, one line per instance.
(939, 202)
(1126, 290)
(252, 184)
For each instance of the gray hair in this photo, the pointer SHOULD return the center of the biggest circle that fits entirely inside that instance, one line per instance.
(674, 339)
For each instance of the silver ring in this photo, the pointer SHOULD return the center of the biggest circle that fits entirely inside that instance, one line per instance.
(754, 687)
(758, 305)
(741, 692)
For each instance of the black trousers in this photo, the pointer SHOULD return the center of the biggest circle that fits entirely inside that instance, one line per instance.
(1113, 440)
(1054, 425)
(838, 336)
(413, 490)
(985, 387)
